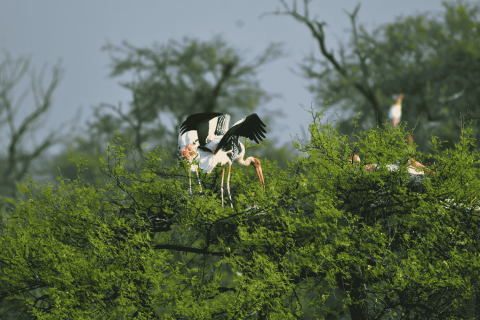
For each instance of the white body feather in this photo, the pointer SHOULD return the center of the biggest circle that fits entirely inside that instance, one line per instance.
(212, 144)
(395, 112)
(207, 161)
(189, 137)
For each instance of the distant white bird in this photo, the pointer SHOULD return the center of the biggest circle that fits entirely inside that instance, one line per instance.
(214, 144)
(413, 167)
(396, 111)
(452, 97)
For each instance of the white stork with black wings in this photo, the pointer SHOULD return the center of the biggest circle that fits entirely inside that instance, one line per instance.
(217, 145)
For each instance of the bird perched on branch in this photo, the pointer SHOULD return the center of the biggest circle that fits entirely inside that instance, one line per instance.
(396, 111)
(414, 168)
(216, 143)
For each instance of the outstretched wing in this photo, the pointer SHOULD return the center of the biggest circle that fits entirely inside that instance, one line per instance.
(206, 124)
(250, 127)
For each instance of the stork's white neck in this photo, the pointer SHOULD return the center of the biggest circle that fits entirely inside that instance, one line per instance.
(242, 154)
(246, 162)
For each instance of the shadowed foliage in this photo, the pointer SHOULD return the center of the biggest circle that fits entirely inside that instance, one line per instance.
(334, 240)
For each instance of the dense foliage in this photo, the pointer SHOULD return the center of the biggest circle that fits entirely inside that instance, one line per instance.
(433, 60)
(327, 238)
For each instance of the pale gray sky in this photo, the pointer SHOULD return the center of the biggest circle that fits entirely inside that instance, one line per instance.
(74, 31)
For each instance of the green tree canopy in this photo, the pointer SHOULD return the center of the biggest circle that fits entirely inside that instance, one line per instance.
(381, 244)
(433, 61)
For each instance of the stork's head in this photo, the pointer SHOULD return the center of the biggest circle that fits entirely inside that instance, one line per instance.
(188, 152)
(355, 158)
(256, 163)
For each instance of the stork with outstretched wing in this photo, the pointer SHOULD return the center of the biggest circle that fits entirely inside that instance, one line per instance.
(215, 143)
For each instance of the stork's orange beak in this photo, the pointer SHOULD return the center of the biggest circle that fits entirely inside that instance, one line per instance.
(258, 167)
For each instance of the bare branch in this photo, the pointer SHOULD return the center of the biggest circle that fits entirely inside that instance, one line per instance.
(357, 51)
(316, 28)
(190, 249)
(25, 160)
(11, 73)
(210, 104)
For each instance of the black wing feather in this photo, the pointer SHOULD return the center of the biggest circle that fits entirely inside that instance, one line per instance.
(194, 120)
(251, 128)
(205, 149)
(199, 123)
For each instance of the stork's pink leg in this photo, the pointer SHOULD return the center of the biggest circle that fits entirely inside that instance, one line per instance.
(228, 184)
(223, 173)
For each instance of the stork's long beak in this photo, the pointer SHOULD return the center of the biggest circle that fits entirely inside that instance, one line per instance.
(258, 167)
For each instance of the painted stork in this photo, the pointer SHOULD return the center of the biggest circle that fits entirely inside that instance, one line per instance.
(187, 150)
(396, 111)
(215, 144)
